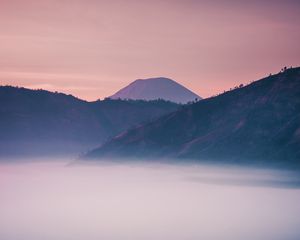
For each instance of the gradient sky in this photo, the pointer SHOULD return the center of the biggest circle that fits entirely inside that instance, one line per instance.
(93, 48)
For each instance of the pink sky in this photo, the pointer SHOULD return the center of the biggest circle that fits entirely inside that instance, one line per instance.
(93, 48)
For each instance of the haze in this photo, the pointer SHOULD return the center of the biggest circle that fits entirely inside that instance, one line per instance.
(55, 200)
(93, 48)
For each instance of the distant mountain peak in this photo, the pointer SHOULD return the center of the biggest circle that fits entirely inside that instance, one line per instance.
(155, 79)
(156, 88)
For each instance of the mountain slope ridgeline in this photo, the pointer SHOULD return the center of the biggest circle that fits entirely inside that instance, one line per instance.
(258, 123)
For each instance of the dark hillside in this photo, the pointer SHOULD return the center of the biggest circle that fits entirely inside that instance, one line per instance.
(256, 123)
(46, 123)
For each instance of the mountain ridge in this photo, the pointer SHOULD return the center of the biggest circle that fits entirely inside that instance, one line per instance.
(43, 122)
(255, 123)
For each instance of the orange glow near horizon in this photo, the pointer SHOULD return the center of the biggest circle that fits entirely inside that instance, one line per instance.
(92, 48)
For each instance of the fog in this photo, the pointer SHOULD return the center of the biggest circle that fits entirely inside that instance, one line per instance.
(59, 200)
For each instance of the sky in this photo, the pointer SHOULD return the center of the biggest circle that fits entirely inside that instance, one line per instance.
(92, 48)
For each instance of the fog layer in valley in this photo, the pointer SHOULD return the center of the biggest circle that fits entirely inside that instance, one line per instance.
(56, 200)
